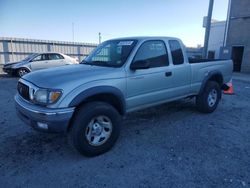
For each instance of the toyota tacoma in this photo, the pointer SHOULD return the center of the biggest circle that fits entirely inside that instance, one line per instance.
(120, 76)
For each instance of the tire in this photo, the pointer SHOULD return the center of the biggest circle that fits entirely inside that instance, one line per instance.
(208, 100)
(91, 123)
(22, 71)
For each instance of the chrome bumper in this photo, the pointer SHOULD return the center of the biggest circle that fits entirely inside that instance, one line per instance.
(42, 118)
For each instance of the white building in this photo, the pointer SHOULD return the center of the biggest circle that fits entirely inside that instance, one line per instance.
(216, 38)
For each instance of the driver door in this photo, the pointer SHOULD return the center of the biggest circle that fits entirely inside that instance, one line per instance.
(149, 86)
(39, 62)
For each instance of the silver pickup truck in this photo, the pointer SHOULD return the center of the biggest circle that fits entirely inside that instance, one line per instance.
(119, 76)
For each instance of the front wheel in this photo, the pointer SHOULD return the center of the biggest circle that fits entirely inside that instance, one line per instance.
(208, 100)
(22, 71)
(95, 128)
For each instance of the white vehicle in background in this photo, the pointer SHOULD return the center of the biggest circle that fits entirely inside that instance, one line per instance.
(38, 61)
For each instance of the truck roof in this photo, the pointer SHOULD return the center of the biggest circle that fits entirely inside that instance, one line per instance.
(147, 38)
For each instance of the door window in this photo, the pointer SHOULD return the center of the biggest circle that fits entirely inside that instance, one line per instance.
(41, 57)
(55, 56)
(37, 58)
(153, 52)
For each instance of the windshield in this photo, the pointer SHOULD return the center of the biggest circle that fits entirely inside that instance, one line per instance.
(29, 57)
(113, 53)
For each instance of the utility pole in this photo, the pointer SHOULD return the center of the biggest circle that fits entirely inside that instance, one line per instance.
(208, 27)
(227, 23)
(100, 37)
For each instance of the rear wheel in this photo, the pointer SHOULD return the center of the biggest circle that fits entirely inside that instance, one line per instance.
(208, 100)
(22, 71)
(95, 128)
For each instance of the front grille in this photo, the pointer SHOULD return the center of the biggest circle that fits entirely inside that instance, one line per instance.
(23, 90)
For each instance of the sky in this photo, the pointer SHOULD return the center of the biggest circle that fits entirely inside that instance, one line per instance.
(55, 19)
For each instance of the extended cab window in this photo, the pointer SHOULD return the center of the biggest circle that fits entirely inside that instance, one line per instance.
(154, 52)
(176, 52)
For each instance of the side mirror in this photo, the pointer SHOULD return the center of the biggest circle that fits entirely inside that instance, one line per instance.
(141, 64)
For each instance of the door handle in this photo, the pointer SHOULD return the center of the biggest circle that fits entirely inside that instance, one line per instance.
(167, 74)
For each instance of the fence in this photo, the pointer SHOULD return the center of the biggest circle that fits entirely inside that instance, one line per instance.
(16, 49)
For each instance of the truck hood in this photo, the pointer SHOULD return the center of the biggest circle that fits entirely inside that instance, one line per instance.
(74, 75)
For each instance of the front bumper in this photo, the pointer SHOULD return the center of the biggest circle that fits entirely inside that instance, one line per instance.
(8, 70)
(53, 120)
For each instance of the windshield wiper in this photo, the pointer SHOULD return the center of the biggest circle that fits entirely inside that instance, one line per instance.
(93, 62)
(104, 63)
(98, 63)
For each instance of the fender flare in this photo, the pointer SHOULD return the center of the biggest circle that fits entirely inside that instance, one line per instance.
(208, 77)
(77, 100)
(16, 69)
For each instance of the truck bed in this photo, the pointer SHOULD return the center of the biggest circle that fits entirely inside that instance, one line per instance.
(202, 68)
(196, 60)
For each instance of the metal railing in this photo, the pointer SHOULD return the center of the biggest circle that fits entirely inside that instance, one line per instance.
(16, 49)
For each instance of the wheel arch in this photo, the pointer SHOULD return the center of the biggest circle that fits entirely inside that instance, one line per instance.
(17, 69)
(108, 94)
(215, 76)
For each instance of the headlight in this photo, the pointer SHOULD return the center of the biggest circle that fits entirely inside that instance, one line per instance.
(46, 96)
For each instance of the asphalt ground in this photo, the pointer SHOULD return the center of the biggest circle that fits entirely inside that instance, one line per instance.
(171, 145)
